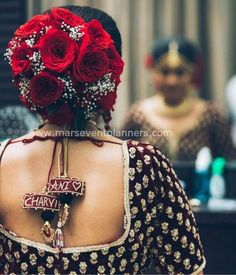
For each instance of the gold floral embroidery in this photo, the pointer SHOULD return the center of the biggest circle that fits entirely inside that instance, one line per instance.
(154, 212)
(33, 259)
(132, 152)
(175, 234)
(131, 173)
(134, 211)
(145, 181)
(93, 257)
(50, 261)
(24, 248)
(147, 159)
(17, 256)
(111, 258)
(139, 166)
(134, 256)
(162, 260)
(101, 269)
(41, 252)
(121, 251)
(180, 218)
(9, 242)
(170, 268)
(168, 249)
(148, 218)
(164, 227)
(65, 263)
(24, 266)
(192, 248)
(144, 204)
(105, 250)
(41, 270)
(9, 257)
(123, 263)
(137, 225)
(112, 270)
(6, 268)
(138, 188)
(187, 264)
(184, 241)
(136, 267)
(159, 241)
(83, 267)
(135, 246)
(169, 212)
(75, 256)
(177, 257)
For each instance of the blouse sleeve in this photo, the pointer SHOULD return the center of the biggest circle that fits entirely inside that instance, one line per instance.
(176, 247)
(133, 123)
(222, 144)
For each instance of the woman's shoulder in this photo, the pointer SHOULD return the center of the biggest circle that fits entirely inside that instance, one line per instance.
(150, 154)
(137, 112)
(213, 107)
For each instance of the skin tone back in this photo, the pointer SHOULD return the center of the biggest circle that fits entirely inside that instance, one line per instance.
(97, 218)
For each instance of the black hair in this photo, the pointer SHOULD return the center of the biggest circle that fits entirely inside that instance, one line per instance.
(88, 13)
(185, 47)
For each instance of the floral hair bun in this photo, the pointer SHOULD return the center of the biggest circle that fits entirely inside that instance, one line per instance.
(61, 63)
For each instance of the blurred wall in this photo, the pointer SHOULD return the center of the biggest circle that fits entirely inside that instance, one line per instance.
(209, 23)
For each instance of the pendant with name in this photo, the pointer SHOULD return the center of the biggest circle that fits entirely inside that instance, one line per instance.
(40, 201)
(66, 185)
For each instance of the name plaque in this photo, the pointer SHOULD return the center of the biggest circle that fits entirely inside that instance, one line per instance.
(40, 201)
(66, 186)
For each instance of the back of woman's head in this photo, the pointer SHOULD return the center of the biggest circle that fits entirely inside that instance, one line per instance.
(67, 64)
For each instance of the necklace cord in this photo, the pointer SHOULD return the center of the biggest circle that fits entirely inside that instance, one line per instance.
(53, 157)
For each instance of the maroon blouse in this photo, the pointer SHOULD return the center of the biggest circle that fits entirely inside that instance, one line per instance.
(159, 229)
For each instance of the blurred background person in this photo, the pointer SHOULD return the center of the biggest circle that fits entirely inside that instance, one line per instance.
(175, 119)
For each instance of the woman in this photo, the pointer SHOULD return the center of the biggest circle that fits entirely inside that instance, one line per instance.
(125, 203)
(175, 119)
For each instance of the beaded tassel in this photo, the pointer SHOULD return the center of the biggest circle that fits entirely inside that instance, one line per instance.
(58, 240)
(65, 214)
(47, 232)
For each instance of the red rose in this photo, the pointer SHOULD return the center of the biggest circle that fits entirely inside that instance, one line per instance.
(59, 15)
(106, 102)
(20, 59)
(57, 49)
(90, 65)
(62, 116)
(116, 63)
(35, 24)
(45, 89)
(97, 35)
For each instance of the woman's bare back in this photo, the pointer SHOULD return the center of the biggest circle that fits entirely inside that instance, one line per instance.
(96, 218)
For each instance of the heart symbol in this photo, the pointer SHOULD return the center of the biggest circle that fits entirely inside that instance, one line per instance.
(76, 185)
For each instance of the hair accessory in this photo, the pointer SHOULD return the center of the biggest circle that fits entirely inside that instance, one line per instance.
(61, 64)
(173, 58)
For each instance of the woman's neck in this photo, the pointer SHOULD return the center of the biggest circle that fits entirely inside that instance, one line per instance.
(57, 130)
(181, 108)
